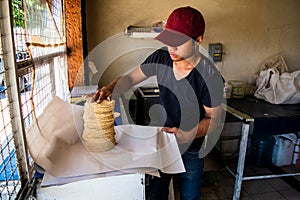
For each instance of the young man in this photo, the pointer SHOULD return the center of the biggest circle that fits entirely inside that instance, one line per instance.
(191, 93)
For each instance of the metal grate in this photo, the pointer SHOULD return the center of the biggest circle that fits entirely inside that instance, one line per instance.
(9, 177)
(36, 72)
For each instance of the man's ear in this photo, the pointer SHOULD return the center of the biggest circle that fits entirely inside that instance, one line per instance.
(199, 39)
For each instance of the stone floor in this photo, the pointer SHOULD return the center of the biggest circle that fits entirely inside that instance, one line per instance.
(218, 182)
(264, 189)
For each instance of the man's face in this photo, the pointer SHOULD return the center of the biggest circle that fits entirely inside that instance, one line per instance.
(183, 51)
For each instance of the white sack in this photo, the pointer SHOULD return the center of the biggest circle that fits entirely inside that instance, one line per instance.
(278, 88)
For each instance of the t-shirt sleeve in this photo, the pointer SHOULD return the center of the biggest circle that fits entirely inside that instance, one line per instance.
(213, 91)
(149, 66)
(211, 84)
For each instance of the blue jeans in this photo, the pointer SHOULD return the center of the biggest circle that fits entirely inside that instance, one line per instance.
(189, 182)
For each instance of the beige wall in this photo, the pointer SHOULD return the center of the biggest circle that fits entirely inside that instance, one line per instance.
(250, 31)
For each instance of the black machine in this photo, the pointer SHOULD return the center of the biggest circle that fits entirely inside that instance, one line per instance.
(147, 96)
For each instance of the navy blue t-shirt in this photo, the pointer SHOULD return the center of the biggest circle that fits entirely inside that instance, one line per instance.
(183, 99)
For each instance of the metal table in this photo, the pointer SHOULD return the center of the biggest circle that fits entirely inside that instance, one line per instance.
(260, 117)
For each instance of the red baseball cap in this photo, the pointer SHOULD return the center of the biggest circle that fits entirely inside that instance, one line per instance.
(183, 24)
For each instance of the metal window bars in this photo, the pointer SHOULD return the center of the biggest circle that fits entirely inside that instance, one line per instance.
(33, 69)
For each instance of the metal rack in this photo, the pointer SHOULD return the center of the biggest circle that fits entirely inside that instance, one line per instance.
(247, 130)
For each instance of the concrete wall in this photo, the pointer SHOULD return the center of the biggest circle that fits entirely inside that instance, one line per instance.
(250, 31)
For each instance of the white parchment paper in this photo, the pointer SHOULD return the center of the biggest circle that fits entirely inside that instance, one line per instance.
(55, 143)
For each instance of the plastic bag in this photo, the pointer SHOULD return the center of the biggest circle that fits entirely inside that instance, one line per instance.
(283, 149)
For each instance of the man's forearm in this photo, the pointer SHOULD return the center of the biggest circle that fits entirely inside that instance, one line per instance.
(119, 85)
(207, 125)
(210, 122)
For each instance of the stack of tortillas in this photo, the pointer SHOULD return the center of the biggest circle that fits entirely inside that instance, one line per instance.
(99, 132)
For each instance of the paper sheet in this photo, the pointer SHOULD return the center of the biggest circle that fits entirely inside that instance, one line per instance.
(55, 143)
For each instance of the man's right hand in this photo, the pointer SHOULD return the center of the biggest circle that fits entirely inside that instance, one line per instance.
(101, 94)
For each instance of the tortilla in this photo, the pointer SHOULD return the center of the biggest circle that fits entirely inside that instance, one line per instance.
(99, 132)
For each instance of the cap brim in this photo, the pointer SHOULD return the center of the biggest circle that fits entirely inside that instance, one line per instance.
(172, 38)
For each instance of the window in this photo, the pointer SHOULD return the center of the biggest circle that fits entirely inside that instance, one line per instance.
(29, 78)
